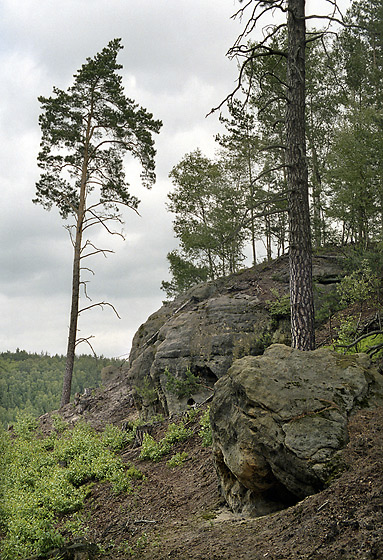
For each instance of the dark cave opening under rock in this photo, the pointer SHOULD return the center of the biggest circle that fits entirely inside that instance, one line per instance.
(207, 377)
(273, 497)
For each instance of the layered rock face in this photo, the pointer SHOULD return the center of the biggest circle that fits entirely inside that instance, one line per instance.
(279, 423)
(207, 328)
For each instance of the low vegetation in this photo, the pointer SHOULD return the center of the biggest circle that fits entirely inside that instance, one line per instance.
(43, 479)
(154, 451)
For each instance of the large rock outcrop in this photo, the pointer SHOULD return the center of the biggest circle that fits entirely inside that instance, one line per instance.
(280, 422)
(207, 328)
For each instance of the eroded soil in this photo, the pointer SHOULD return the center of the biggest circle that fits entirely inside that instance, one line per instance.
(177, 513)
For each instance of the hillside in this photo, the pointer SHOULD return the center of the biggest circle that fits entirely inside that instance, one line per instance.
(32, 383)
(176, 511)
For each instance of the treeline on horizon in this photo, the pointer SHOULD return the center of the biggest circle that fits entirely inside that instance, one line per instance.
(31, 383)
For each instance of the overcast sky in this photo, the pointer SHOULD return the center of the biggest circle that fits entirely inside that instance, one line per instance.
(174, 65)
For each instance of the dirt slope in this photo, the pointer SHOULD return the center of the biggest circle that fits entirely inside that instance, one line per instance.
(177, 513)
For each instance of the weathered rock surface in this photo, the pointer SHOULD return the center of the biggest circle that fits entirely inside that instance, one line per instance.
(280, 422)
(209, 327)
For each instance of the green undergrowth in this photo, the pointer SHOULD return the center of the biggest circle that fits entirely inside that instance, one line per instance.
(43, 479)
(205, 430)
(153, 450)
(344, 345)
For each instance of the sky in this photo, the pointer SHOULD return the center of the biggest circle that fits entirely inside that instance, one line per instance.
(174, 65)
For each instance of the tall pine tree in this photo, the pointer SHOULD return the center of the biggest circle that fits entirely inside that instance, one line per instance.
(86, 132)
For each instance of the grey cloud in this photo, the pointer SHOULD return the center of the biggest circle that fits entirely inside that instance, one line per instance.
(174, 64)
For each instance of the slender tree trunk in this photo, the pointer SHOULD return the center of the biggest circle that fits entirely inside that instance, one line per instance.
(252, 227)
(316, 196)
(72, 336)
(300, 252)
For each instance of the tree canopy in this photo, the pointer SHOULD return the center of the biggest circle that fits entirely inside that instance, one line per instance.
(319, 182)
(86, 133)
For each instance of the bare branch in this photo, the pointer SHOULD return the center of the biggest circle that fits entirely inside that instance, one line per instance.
(102, 221)
(100, 304)
(103, 251)
(268, 5)
(87, 244)
(88, 269)
(359, 339)
(81, 340)
(267, 171)
(69, 230)
(84, 283)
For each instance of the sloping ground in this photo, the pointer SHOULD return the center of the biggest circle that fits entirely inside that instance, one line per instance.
(176, 513)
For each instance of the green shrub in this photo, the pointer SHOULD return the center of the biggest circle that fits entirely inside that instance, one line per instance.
(205, 431)
(182, 388)
(177, 432)
(358, 286)
(59, 424)
(43, 481)
(25, 426)
(114, 438)
(147, 392)
(154, 451)
(368, 343)
(279, 307)
(177, 460)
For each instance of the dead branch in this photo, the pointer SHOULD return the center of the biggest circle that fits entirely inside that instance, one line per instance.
(81, 340)
(267, 171)
(84, 283)
(102, 220)
(88, 269)
(96, 251)
(260, 9)
(359, 339)
(100, 304)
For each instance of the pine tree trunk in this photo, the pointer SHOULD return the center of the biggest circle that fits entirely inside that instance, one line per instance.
(72, 336)
(300, 251)
(76, 279)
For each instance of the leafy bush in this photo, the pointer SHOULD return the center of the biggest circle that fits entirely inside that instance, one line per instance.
(147, 392)
(358, 286)
(154, 451)
(26, 426)
(182, 388)
(45, 478)
(177, 432)
(59, 424)
(346, 331)
(177, 460)
(205, 431)
(279, 306)
(114, 438)
(347, 335)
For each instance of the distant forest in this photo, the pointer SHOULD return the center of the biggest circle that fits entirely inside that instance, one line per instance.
(32, 383)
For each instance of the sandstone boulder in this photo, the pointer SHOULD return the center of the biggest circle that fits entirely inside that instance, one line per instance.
(209, 327)
(280, 420)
